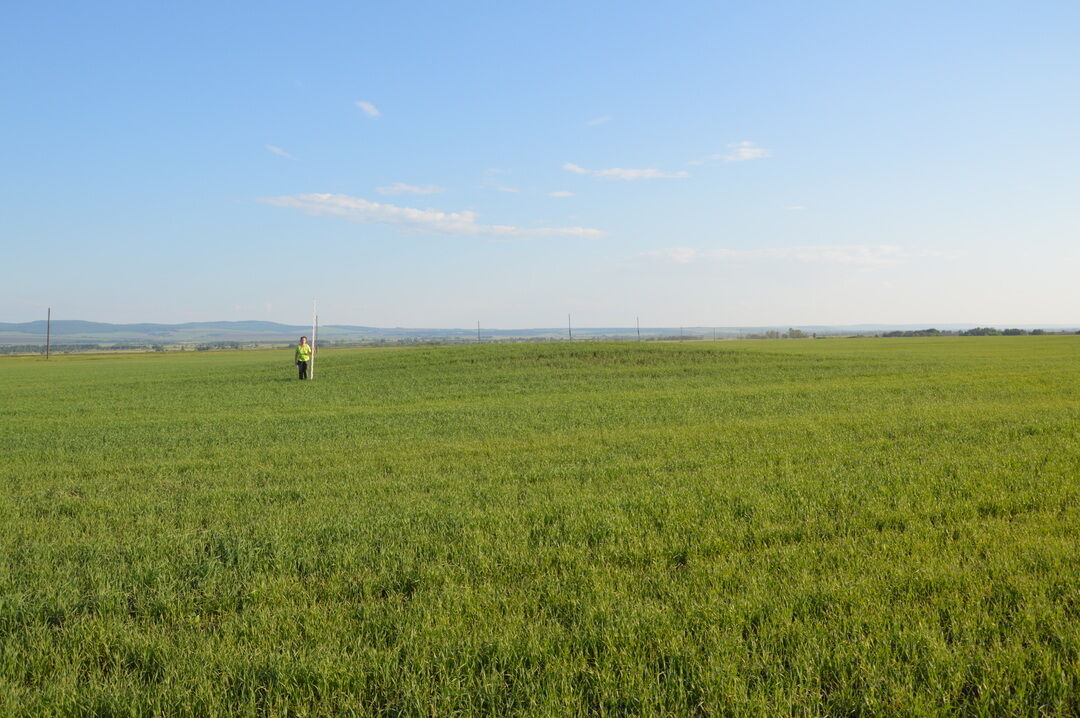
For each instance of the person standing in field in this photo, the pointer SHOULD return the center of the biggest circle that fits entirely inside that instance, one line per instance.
(303, 357)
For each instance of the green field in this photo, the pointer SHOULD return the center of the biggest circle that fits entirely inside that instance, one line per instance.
(834, 527)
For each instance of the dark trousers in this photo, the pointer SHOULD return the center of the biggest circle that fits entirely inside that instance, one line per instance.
(303, 368)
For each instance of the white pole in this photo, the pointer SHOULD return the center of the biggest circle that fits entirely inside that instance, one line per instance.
(314, 337)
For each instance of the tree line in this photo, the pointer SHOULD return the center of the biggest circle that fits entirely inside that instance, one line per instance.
(976, 332)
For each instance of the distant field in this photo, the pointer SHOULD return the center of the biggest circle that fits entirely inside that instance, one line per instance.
(726, 528)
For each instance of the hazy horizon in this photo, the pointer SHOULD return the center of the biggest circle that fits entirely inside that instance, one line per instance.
(466, 327)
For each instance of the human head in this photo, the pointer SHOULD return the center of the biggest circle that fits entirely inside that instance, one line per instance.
(303, 340)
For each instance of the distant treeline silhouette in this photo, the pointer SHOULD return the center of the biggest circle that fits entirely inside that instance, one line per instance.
(976, 332)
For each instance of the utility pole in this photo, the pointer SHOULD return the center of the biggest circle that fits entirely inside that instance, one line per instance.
(569, 330)
(477, 331)
(48, 333)
(314, 336)
(638, 328)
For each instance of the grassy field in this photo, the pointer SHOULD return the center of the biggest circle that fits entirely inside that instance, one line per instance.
(832, 527)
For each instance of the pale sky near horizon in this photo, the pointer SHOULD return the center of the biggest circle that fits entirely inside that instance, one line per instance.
(432, 164)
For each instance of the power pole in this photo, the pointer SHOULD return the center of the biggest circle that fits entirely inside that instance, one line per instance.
(477, 331)
(314, 335)
(569, 330)
(638, 328)
(48, 333)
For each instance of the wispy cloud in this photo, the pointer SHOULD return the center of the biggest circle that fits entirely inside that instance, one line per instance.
(561, 193)
(679, 255)
(369, 109)
(860, 255)
(795, 208)
(402, 188)
(598, 121)
(279, 152)
(491, 180)
(625, 174)
(742, 151)
(358, 209)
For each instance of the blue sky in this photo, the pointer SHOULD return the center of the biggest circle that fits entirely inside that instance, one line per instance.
(434, 164)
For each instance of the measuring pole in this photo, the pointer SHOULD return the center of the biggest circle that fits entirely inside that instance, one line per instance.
(569, 330)
(48, 333)
(638, 328)
(314, 337)
(477, 331)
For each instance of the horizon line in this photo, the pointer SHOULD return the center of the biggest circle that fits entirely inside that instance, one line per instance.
(560, 327)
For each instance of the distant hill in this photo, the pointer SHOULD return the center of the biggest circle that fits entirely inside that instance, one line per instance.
(74, 331)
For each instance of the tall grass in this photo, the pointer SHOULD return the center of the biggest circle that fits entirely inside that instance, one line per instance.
(804, 527)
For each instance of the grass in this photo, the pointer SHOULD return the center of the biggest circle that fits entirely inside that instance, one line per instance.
(832, 527)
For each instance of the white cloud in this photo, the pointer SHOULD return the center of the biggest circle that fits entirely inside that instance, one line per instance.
(369, 109)
(943, 253)
(742, 151)
(279, 152)
(561, 193)
(598, 121)
(402, 188)
(357, 209)
(861, 255)
(795, 208)
(680, 255)
(491, 181)
(625, 174)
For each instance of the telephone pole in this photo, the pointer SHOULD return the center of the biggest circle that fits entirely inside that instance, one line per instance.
(48, 333)
(314, 336)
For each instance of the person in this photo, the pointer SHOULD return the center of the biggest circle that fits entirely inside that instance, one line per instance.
(303, 357)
